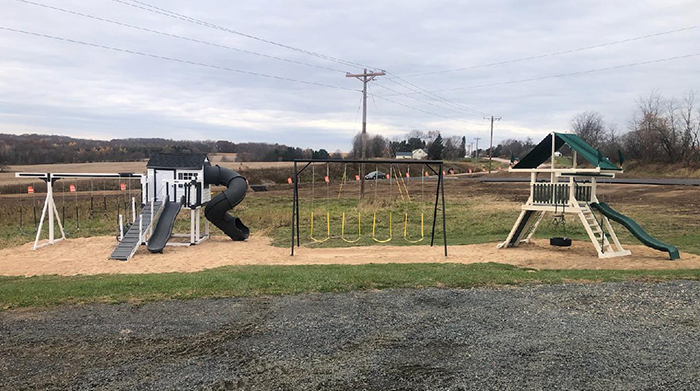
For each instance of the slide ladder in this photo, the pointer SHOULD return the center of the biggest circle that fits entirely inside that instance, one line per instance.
(127, 247)
(636, 230)
(601, 235)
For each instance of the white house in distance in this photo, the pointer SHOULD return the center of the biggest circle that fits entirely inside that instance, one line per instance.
(417, 154)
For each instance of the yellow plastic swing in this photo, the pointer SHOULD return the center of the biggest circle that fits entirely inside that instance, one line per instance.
(422, 216)
(405, 230)
(374, 226)
(328, 228)
(328, 213)
(359, 229)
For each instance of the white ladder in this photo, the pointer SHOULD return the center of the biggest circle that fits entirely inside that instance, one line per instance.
(598, 237)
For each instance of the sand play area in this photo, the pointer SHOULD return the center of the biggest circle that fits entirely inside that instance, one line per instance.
(89, 256)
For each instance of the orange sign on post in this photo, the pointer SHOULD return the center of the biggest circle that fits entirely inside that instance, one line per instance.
(30, 189)
(72, 189)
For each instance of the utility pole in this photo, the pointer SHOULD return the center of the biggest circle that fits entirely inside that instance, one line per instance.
(492, 118)
(365, 77)
(476, 154)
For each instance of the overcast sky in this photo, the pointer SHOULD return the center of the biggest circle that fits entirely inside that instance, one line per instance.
(58, 87)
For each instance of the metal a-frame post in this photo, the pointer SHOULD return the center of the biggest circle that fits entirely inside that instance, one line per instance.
(51, 211)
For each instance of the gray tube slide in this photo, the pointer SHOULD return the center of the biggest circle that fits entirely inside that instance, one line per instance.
(217, 209)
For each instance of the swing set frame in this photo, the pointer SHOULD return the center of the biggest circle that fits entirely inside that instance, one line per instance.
(435, 166)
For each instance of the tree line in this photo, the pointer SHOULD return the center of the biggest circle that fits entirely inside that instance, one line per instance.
(432, 142)
(51, 149)
(661, 130)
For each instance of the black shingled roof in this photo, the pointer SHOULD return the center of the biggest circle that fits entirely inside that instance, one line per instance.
(182, 161)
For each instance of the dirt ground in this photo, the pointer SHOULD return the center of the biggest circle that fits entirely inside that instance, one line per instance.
(88, 256)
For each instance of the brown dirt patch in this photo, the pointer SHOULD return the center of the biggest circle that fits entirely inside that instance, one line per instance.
(88, 256)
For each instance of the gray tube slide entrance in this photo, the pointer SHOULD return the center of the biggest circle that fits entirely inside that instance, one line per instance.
(217, 209)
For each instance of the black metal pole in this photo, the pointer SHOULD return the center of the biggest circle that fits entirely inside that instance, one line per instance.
(437, 197)
(444, 224)
(294, 206)
(297, 217)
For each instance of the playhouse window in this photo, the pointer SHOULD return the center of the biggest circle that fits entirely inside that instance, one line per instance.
(185, 176)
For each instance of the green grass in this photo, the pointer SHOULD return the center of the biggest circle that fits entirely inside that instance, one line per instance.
(44, 291)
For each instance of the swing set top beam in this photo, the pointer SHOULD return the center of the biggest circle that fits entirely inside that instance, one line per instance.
(369, 161)
(61, 175)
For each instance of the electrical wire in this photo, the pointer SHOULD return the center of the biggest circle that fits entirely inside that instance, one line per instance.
(173, 59)
(424, 111)
(422, 91)
(634, 64)
(171, 14)
(558, 53)
(421, 100)
(76, 13)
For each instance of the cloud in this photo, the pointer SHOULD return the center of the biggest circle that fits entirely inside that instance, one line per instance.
(64, 88)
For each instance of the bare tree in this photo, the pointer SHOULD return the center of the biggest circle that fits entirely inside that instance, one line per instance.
(590, 127)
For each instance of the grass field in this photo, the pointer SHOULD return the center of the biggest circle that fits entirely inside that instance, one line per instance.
(43, 291)
(476, 213)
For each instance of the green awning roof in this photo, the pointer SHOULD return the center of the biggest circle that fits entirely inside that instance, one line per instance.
(543, 151)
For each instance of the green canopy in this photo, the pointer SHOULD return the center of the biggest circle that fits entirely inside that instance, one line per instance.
(543, 151)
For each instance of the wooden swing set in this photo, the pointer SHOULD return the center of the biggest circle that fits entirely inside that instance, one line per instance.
(394, 177)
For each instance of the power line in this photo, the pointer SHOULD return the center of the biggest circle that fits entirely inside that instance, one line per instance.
(423, 111)
(173, 59)
(420, 100)
(161, 11)
(568, 74)
(177, 36)
(171, 14)
(426, 93)
(558, 53)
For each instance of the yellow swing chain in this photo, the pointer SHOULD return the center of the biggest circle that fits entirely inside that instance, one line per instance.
(359, 214)
(422, 217)
(328, 215)
(374, 218)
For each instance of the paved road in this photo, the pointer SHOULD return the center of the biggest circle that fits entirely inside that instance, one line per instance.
(616, 336)
(626, 181)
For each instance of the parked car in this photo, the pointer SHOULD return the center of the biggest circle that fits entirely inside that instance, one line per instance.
(375, 175)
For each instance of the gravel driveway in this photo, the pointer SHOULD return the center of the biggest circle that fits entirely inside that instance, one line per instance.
(616, 336)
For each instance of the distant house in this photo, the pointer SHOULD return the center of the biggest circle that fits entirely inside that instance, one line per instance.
(404, 155)
(419, 154)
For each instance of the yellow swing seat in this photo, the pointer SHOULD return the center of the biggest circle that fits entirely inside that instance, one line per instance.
(405, 229)
(374, 226)
(328, 228)
(359, 229)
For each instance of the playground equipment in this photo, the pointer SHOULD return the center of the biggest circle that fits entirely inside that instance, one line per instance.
(395, 177)
(172, 182)
(576, 196)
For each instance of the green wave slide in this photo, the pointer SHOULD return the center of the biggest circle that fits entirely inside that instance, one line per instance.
(635, 229)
